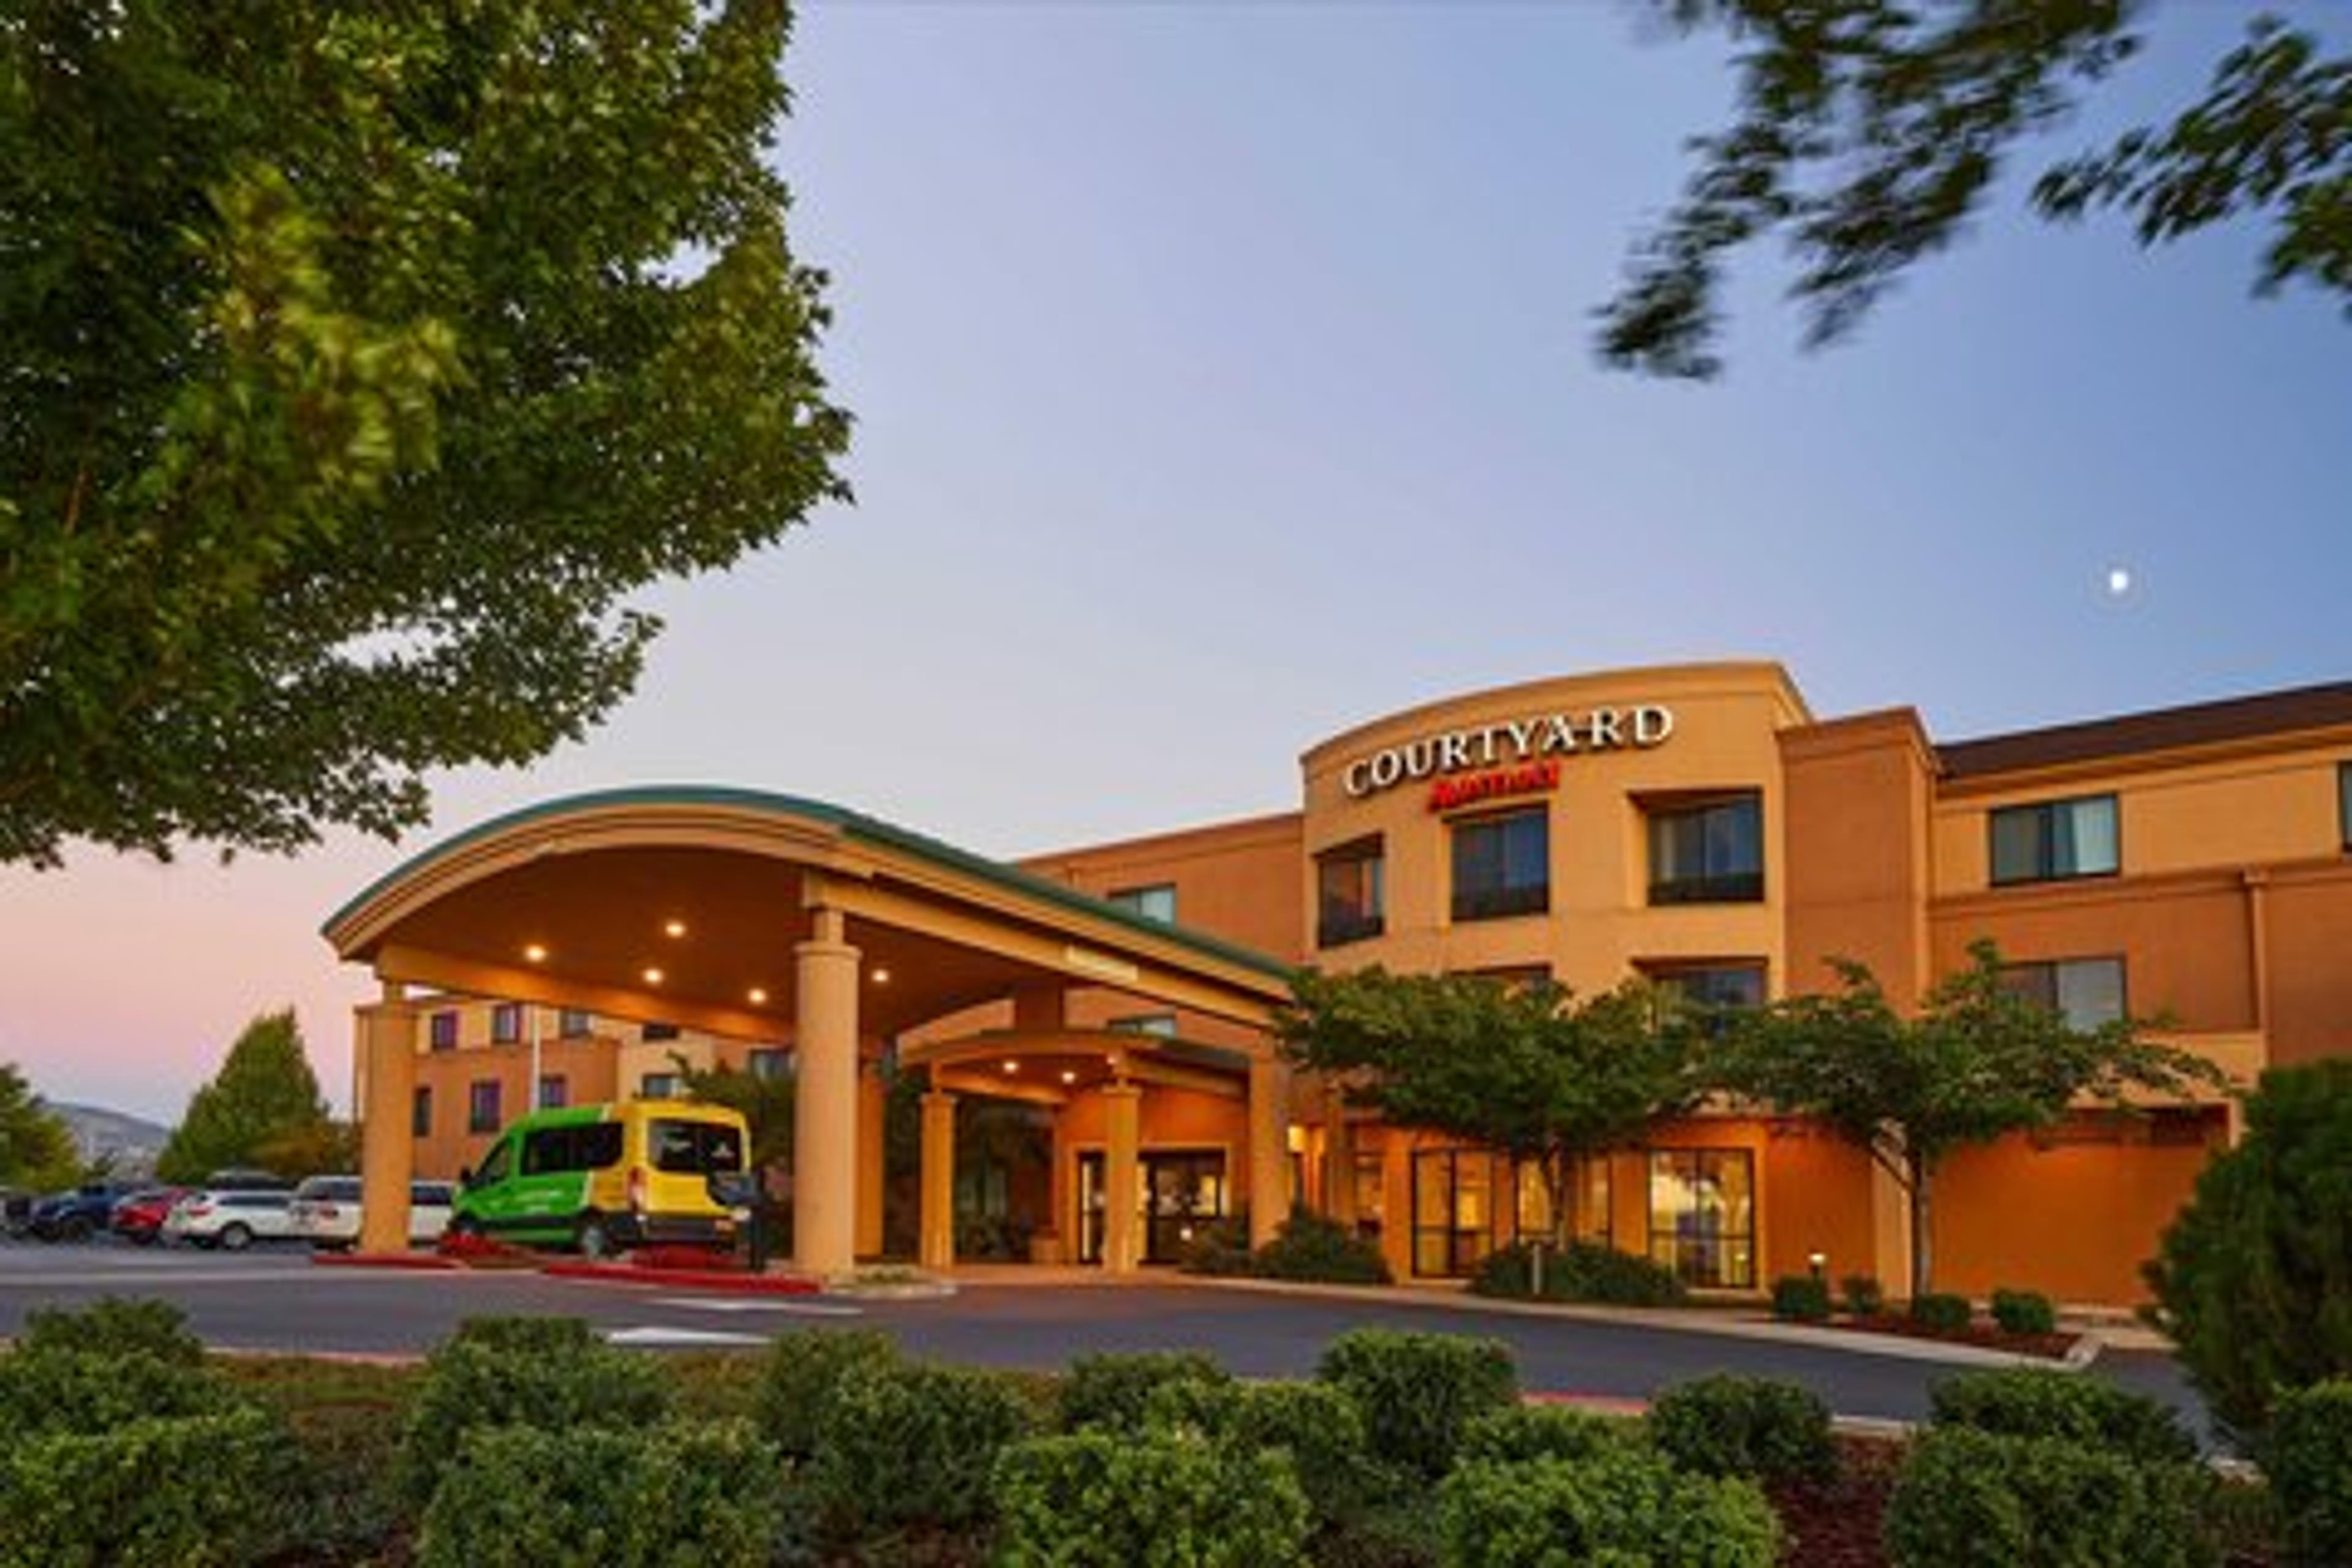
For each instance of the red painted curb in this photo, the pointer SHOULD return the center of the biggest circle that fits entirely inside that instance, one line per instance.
(696, 1279)
(428, 1260)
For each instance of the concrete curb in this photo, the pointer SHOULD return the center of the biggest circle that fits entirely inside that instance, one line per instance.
(1722, 1325)
(690, 1279)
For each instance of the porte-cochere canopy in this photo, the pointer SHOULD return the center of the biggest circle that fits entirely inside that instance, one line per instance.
(770, 917)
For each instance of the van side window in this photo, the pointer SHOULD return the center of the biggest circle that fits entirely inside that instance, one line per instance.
(599, 1145)
(549, 1149)
(695, 1148)
(494, 1163)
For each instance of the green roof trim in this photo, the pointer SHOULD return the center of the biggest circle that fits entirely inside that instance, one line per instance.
(851, 825)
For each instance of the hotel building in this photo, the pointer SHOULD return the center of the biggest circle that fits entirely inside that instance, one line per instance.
(1696, 825)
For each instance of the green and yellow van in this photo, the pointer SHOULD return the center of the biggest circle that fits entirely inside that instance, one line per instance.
(604, 1178)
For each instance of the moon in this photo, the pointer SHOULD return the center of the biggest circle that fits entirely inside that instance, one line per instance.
(2120, 582)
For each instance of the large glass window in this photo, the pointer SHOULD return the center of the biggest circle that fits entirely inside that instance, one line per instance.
(1702, 1215)
(1453, 1210)
(2055, 839)
(1349, 902)
(483, 1113)
(1731, 984)
(1371, 1191)
(1157, 902)
(1708, 852)
(1502, 866)
(1587, 1192)
(2088, 992)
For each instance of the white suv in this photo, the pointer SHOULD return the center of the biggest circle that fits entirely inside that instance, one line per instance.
(326, 1211)
(234, 1220)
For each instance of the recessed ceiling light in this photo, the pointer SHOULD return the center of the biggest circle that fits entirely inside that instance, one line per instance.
(536, 953)
(1069, 1076)
(1011, 1066)
(881, 977)
(759, 997)
(673, 928)
(653, 976)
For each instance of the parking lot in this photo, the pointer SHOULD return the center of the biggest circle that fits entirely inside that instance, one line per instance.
(272, 1297)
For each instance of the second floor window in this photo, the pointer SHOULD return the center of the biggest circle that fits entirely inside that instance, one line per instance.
(1157, 902)
(443, 1030)
(554, 1091)
(572, 1023)
(1502, 866)
(420, 1111)
(483, 1112)
(769, 1062)
(658, 1032)
(1349, 896)
(1709, 852)
(506, 1023)
(1710, 985)
(2087, 992)
(2055, 840)
(658, 1086)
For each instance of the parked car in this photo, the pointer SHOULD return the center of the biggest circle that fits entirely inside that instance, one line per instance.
(76, 1215)
(140, 1216)
(326, 1211)
(234, 1219)
(245, 1179)
(16, 1211)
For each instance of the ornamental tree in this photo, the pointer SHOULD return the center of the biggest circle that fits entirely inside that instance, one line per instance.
(1978, 1061)
(263, 1106)
(37, 1147)
(359, 364)
(1528, 1070)
(1870, 133)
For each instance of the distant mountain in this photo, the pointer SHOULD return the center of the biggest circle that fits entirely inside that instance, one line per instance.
(134, 1141)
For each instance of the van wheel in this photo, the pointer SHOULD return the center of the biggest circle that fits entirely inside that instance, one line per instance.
(595, 1240)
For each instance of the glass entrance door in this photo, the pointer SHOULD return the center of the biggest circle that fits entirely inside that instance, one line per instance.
(1182, 1191)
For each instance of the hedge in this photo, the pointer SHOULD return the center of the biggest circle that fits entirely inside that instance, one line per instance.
(912, 1444)
(1545, 1432)
(1313, 1247)
(113, 1326)
(1626, 1506)
(1801, 1298)
(1114, 1390)
(193, 1492)
(1761, 1427)
(2038, 1401)
(1164, 1498)
(2024, 1312)
(1943, 1312)
(798, 1376)
(2308, 1456)
(522, 1498)
(1418, 1392)
(1315, 1425)
(1581, 1271)
(64, 1391)
(479, 1382)
(1967, 1499)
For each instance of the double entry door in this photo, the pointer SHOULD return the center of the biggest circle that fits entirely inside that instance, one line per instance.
(1184, 1191)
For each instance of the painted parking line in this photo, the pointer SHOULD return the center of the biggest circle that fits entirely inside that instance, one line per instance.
(649, 1336)
(760, 1304)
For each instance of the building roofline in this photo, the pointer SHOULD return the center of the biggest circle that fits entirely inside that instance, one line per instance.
(2190, 725)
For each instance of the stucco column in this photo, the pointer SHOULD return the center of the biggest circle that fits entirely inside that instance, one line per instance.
(1269, 1150)
(824, 1117)
(873, 1099)
(935, 1224)
(1122, 1178)
(1339, 1161)
(384, 1040)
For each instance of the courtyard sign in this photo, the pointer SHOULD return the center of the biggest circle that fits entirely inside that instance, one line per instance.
(1519, 752)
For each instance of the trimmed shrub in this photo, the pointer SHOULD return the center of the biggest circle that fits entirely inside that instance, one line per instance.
(113, 1326)
(1761, 1427)
(515, 1334)
(60, 1391)
(1862, 1295)
(1942, 1312)
(2024, 1312)
(2253, 1278)
(1166, 1498)
(2308, 1457)
(1581, 1271)
(1220, 1248)
(1311, 1247)
(1966, 1498)
(912, 1444)
(474, 1382)
(1114, 1390)
(1801, 1298)
(1625, 1505)
(197, 1491)
(1418, 1392)
(2039, 1402)
(1545, 1432)
(1314, 1424)
(520, 1498)
(798, 1376)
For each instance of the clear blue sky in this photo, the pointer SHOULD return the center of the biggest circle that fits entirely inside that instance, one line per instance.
(1223, 378)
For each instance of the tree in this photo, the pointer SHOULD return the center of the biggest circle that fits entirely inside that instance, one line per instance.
(2254, 1280)
(1978, 1061)
(1869, 132)
(1527, 1070)
(360, 363)
(263, 1100)
(37, 1147)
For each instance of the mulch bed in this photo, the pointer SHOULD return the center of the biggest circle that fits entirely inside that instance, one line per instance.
(1836, 1523)
(1985, 1336)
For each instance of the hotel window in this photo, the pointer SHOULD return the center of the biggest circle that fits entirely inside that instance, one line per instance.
(1512, 976)
(769, 1063)
(554, 1091)
(420, 1111)
(1702, 1215)
(1588, 1186)
(1711, 985)
(657, 1031)
(1350, 899)
(2087, 992)
(443, 1028)
(1157, 902)
(1161, 1024)
(1502, 866)
(1452, 1211)
(1708, 852)
(2055, 840)
(506, 1023)
(482, 1109)
(572, 1023)
(1371, 1191)
(658, 1086)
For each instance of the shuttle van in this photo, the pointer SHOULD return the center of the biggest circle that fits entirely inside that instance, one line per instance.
(605, 1178)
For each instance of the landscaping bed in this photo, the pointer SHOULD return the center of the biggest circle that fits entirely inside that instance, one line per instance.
(2053, 1346)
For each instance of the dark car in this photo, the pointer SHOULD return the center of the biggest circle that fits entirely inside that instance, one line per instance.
(78, 1215)
(140, 1216)
(16, 1211)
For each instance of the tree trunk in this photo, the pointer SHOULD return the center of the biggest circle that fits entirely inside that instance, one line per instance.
(1923, 1250)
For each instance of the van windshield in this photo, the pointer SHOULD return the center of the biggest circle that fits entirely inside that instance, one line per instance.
(696, 1148)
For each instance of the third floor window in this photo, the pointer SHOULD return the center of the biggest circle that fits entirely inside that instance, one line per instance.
(1348, 895)
(1502, 866)
(1157, 902)
(1708, 852)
